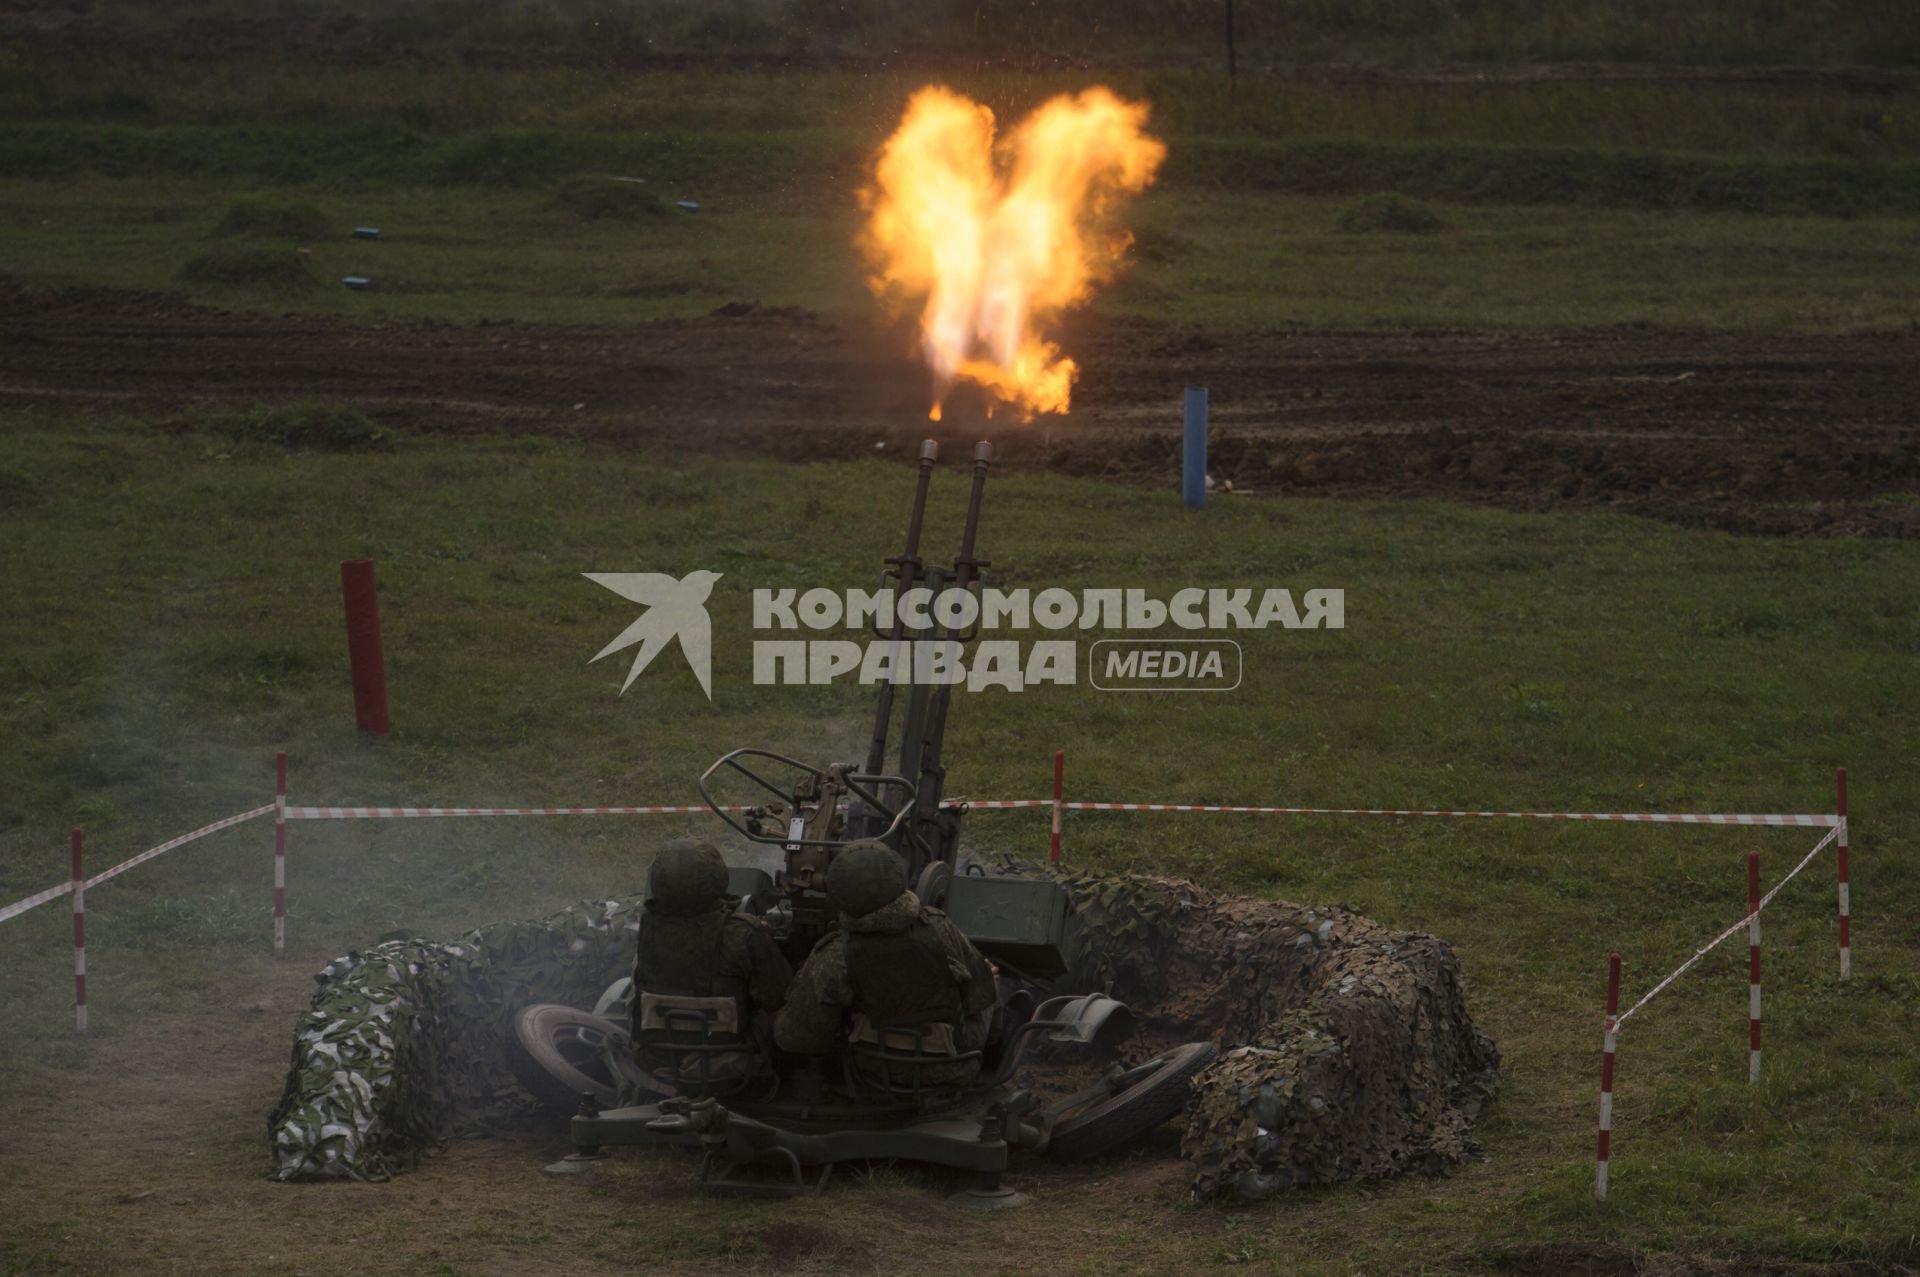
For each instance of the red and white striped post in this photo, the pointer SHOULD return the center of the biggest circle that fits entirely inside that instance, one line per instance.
(1753, 966)
(1606, 1080)
(1840, 861)
(1059, 769)
(79, 935)
(280, 855)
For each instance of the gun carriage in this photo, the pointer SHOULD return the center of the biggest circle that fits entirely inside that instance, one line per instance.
(773, 1128)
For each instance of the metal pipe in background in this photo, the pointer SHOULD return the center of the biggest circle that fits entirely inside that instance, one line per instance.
(1193, 468)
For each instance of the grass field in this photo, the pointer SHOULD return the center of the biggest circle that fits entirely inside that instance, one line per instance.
(1391, 33)
(1555, 203)
(462, 255)
(177, 615)
(184, 624)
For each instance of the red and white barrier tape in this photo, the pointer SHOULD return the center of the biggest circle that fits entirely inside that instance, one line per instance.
(1814, 820)
(65, 888)
(34, 901)
(1753, 966)
(1732, 931)
(284, 812)
(684, 809)
(1616, 1018)
(181, 841)
(391, 813)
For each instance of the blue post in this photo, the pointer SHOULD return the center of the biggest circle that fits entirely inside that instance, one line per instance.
(1193, 470)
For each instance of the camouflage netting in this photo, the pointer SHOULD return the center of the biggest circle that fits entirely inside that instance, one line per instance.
(402, 1047)
(1347, 1047)
(1348, 1050)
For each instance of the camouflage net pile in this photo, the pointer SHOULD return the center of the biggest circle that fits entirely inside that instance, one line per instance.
(402, 1047)
(1347, 1049)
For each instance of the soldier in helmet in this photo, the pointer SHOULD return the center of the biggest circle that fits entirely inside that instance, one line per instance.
(693, 945)
(896, 972)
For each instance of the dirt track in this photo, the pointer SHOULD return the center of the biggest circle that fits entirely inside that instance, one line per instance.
(1749, 432)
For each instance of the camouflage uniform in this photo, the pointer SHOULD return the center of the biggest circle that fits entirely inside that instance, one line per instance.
(718, 953)
(693, 944)
(899, 964)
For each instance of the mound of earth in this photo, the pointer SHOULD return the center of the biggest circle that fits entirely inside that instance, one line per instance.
(403, 1045)
(1346, 1047)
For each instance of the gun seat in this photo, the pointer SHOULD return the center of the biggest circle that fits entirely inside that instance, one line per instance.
(699, 1045)
(916, 1064)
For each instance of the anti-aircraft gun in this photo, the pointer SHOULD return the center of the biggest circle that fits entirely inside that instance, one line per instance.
(1024, 924)
(765, 1131)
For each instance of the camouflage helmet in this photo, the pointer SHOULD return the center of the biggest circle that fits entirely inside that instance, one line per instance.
(688, 877)
(865, 876)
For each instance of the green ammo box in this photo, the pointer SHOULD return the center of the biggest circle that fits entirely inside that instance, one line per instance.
(1026, 924)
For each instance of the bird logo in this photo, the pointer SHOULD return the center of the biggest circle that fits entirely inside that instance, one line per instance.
(676, 609)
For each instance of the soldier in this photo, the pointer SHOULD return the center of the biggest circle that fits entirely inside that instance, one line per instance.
(693, 945)
(893, 964)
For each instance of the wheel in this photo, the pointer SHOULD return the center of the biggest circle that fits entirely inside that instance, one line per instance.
(1106, 1125)
(932, 887)
(558, 1053)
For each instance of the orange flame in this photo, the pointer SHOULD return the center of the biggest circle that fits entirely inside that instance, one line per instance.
(996, 257)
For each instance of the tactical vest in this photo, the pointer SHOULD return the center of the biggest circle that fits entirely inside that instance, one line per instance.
(903, 978)
(686, 957)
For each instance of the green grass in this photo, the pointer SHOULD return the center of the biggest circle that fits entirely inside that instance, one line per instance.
(259, 219)
(184, 623)
(273, 271)
(1231, 261)
(1390, 32)
(808, 168)
(1256, 262)
(1564, 203)
(369, 102)
(1390, 213)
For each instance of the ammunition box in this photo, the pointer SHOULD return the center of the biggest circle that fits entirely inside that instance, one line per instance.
(1025, 924)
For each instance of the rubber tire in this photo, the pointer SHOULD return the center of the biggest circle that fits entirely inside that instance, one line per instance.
(933, 884)
(543, 1068)
(1111, 1124)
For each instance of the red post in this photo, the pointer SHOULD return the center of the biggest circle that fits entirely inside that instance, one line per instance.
(1753, 966)
(1059, 769)
(280, 855)
(363, 645)
(1840, 861)
(1605, 1150)
(79, 935)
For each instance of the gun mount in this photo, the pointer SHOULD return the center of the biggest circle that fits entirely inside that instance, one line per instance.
(785, 1121)
(812, 811)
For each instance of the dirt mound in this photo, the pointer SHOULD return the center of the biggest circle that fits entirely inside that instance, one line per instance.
(1351, 1051)
(402, 1046)
(1347, 1047)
